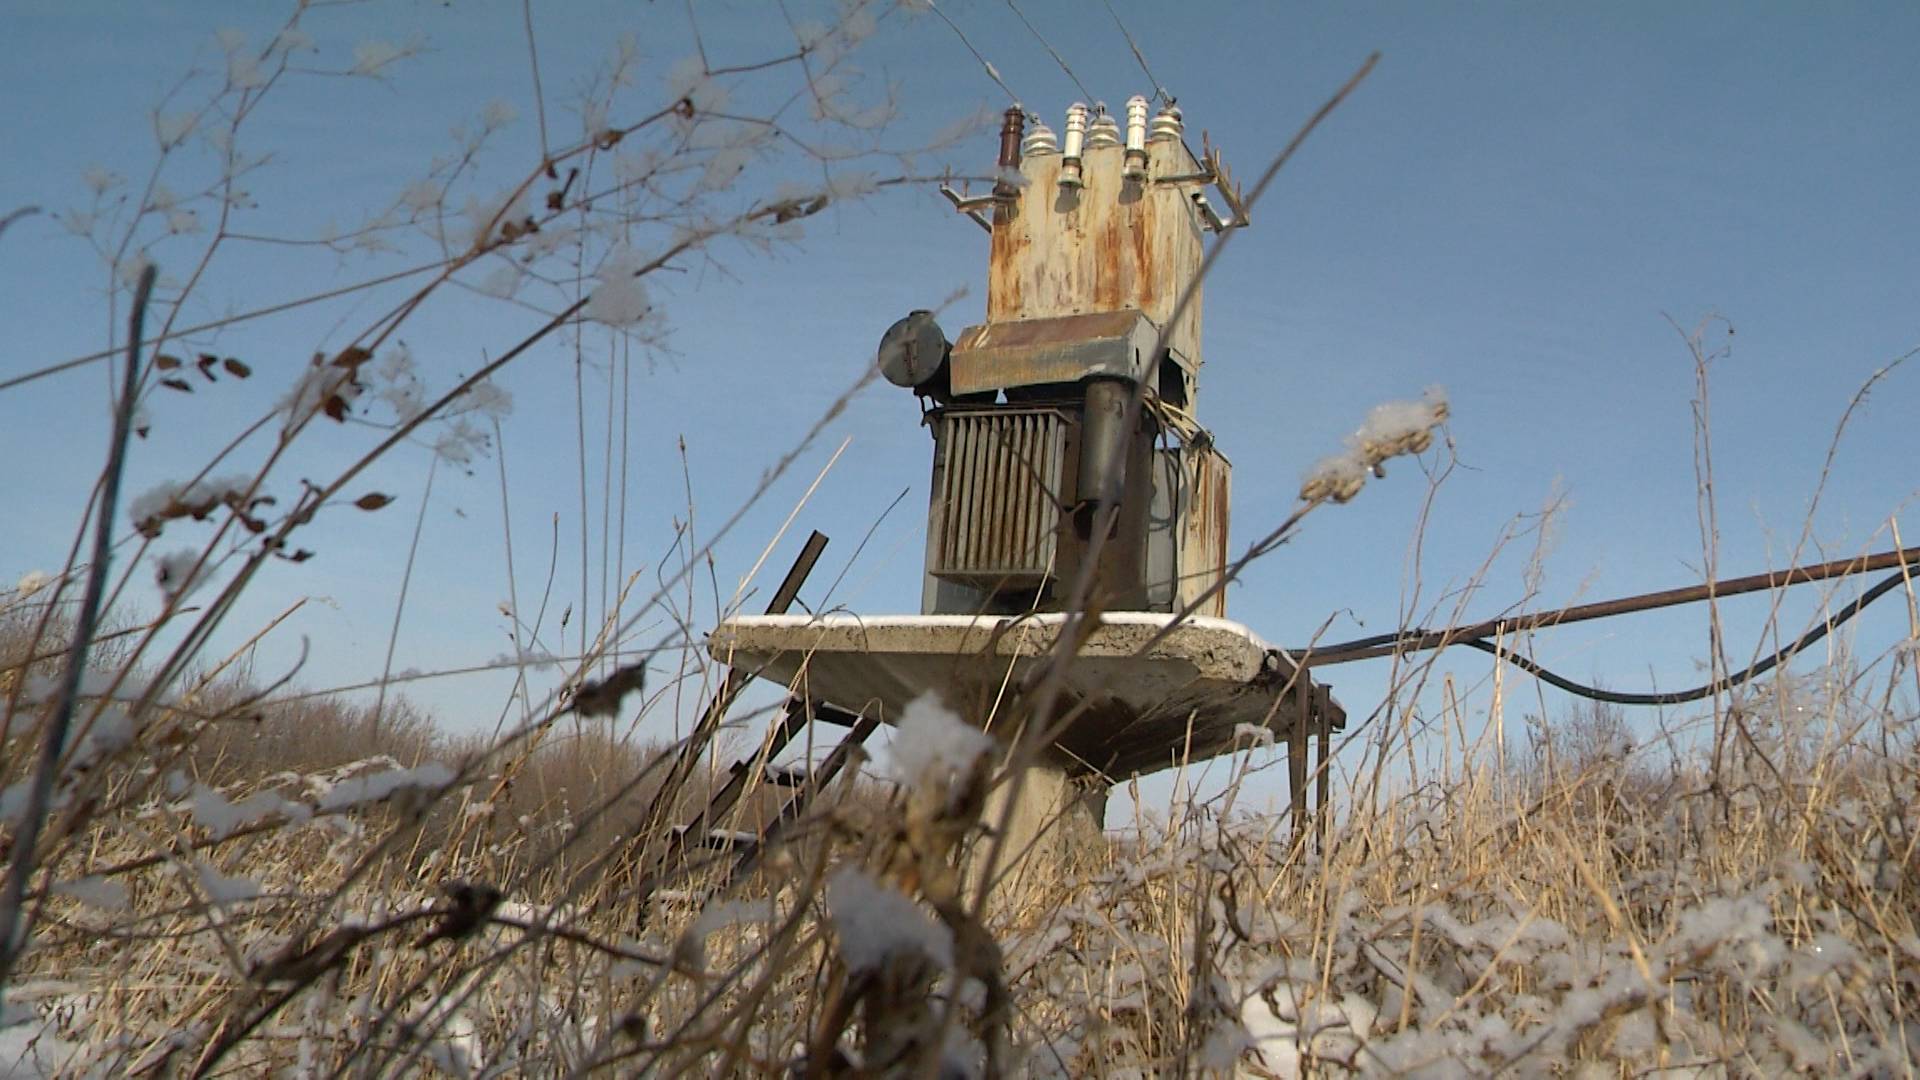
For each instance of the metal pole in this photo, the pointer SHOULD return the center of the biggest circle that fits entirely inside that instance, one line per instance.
(1297, 747)
(1388, 644)
(1323, 697)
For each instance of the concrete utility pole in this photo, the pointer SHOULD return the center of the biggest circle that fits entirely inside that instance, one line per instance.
(1071, 407)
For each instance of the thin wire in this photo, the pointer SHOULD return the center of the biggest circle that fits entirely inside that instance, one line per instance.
(871, 529)
(1086, 95)
(992, 72)
(539, 96)
(1159, 91)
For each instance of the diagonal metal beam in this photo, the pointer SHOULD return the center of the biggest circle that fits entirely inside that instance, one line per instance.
(724, 696)
(1421, 640)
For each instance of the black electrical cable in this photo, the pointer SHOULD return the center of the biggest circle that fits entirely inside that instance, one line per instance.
(1614, 697)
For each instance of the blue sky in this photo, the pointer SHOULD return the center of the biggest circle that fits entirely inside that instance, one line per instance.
(1519, 205)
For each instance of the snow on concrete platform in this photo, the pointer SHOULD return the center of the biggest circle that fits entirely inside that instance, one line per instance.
(1129, 699)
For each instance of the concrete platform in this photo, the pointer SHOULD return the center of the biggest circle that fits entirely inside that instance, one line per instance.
(1135, 702)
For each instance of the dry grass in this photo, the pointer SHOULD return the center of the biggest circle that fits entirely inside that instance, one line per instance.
(1608, 909)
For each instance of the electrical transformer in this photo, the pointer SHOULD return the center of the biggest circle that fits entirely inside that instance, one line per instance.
(1072, 406)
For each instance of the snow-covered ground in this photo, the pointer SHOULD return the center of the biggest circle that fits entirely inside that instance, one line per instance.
(29, 1047)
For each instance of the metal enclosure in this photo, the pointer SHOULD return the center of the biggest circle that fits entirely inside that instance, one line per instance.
(1078, 391)
(1108, 245)
(1187, 529)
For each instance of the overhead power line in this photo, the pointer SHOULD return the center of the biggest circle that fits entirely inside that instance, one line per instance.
(992, 72)
(1159, 91)
(1086, 95)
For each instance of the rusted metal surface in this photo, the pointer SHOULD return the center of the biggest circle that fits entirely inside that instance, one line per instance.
(1060, 349)
(1053, 330)
(1388, 644)
(1104, 246)
(996, 515)
(1204, 524)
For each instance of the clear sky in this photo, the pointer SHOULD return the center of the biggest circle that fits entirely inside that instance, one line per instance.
(1521, 205)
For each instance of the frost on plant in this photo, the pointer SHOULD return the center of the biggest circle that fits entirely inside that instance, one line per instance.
(31, 582)
(460, 442)
(489, 399)
(421, 196)
(223, 888)
(198, 499)
(932, 747)
(1390, 430)
(173, 128)
(178, 573)
(875, 923)
(211, 810)
(691, 950)
(374, 56)
(498, 114)
(687, 80)
(502, 217)
(501, 282)
(322, 387)
(103, 894)
(244, 71)
(379, 786)
(620, 300)
(1253, 734)
(99, 180)
(400, 386)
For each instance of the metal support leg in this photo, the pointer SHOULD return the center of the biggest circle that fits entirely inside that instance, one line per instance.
(1323, 697)
(1297, 748)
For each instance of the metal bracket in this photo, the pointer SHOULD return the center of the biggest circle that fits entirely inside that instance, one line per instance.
(1204, 176)
(1213, 172)
(1229, 191)
(970, 207)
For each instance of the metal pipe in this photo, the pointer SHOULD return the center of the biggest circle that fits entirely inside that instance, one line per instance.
(1388, 644)
(1297, 749)
(1103, 441)
(1323, 697)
